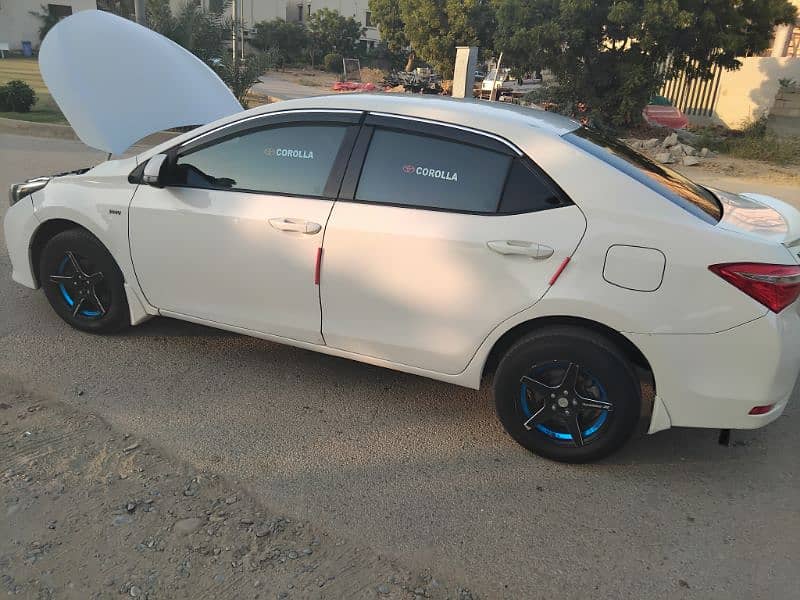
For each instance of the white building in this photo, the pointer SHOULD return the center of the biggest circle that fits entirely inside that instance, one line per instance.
(18, 25)
(300, 10)
(253, 11)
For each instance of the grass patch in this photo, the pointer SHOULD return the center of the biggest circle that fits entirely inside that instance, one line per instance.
(753, 142)
(769, 148)
(27, 69)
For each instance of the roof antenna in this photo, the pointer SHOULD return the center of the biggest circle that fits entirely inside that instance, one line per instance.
(109, 156)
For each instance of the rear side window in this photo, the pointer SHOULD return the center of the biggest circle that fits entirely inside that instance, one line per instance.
(673, 186)
(290, 159)
(528, 191)
(409, 169)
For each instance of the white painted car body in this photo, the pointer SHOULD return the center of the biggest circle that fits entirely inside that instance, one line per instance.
(422, 291)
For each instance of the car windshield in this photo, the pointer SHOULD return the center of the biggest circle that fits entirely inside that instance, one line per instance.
(672, 185)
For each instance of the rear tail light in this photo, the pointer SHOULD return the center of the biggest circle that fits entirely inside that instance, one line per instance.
(761, 410)
(774, 286)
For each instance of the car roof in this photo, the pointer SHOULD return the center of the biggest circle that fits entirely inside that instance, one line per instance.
(508, 121)
(477, 114)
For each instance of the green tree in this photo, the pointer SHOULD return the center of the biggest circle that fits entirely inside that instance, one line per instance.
(329, 31)
(613, 55)
(387, 16)
(433, 28)
(240, 74)
(290, 38)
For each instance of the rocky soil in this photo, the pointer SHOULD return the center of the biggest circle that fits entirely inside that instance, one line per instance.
(89, 512)
(671, 150)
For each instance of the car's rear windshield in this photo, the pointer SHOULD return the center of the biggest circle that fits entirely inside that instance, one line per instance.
(673, 186)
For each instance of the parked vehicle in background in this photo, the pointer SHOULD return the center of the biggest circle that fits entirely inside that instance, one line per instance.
(505, 85)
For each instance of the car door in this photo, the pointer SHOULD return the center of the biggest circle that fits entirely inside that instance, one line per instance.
(439, 235)
(233, 236)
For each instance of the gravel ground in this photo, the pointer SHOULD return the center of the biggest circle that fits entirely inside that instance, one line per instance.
(90, 512)
(416, 470)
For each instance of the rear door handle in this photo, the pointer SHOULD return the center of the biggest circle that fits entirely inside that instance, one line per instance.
(522, 248)
(296, 225)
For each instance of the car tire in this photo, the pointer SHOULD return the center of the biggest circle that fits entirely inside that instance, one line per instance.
(83, 283)
(564, 382)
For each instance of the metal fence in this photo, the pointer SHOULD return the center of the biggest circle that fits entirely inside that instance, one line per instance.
(694, 96)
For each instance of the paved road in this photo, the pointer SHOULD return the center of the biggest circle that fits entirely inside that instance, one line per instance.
(418, 469)
(286, 90)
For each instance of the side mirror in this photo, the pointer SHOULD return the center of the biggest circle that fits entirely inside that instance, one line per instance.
(152, 170)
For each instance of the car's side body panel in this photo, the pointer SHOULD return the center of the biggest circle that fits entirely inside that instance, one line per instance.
(98, 201)
(213, 255)
(423, 288)
(19, 227)
(714, 380)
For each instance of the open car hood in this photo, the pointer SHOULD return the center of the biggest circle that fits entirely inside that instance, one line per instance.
(117, 82)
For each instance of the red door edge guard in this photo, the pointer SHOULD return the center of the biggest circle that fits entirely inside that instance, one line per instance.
(318, 266)
(559, 270)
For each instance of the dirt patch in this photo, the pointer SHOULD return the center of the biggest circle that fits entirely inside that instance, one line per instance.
(754, 170)
(90, 512)
(308, 77)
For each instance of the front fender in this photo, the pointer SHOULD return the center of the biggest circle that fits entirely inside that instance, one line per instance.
(99, 204)
(20, 225)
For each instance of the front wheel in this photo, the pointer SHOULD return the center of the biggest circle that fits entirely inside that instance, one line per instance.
(83, 283)
(567, 394)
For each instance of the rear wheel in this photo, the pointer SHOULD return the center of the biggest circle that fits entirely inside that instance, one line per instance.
(567, 394)
(83, 283)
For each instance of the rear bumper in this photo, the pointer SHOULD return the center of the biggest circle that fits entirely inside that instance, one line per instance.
(19, 225)
(714, 380)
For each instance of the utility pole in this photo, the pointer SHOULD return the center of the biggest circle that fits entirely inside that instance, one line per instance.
(233, 29)
(141, 13)
(493, 93)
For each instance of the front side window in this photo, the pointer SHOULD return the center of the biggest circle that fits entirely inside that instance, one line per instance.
(673, 186)
(289, 159)
(409, 169)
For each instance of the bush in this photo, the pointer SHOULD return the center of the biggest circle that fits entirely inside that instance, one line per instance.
(17, 96)
(289, 38)
(333, 63)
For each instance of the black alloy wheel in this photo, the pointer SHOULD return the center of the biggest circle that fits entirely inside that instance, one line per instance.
(568, 394)
(83, 283)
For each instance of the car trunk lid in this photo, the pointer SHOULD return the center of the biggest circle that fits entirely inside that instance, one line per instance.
(760, 216)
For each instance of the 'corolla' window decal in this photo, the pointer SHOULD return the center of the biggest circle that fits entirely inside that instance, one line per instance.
(289, 153)
(429, 172)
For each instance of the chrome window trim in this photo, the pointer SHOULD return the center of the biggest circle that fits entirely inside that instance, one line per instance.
(267, 116)
(497, 138)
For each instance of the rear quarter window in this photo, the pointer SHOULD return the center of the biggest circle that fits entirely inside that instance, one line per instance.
(671, 185)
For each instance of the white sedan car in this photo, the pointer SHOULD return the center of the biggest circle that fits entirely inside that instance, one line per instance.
(448, 239)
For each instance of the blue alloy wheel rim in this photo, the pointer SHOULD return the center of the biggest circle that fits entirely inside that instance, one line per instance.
(587, 388)
(69, 300)
(84, 293)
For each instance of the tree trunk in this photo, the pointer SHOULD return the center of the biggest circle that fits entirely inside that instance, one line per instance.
(412, 56)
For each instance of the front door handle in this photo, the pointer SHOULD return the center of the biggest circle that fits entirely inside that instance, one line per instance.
(522, 248)
(296, 225)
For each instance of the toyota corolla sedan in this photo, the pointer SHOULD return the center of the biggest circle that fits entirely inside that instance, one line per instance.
(447, 239)
(451, 239)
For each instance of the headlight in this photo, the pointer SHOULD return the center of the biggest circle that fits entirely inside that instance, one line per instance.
(18, 191)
